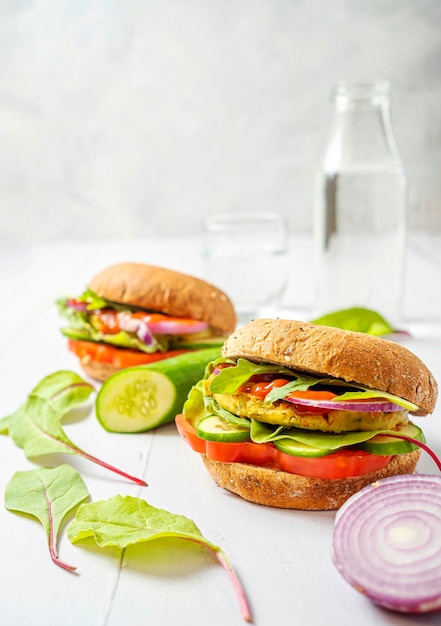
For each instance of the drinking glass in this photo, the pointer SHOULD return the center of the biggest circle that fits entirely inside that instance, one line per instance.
(245, 255)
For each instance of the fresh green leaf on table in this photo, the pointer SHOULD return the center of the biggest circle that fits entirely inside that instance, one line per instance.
(123, 521)
(358, 319)
(36, 428)
(63, 389)
(49, 494)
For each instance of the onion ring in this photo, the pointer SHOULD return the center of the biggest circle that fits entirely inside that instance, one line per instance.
(387, 542)
(385, 406)
(176, 326)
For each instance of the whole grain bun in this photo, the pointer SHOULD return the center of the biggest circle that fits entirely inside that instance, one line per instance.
(166, 291)
(324, 351)
(276, 488)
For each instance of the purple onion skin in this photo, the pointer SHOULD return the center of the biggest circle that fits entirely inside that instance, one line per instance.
(334, 405)
(387, 543)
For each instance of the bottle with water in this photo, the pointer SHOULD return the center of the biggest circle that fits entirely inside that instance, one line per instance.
(360, 207)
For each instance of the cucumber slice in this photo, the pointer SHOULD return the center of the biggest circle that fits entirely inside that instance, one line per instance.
(296, 448)
(140, 398)
(215, 428)
(384, 445)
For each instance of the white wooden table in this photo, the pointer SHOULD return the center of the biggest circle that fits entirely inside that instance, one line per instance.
(282, 557)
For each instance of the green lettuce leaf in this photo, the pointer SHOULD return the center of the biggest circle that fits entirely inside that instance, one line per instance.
(194, 406)
(122, 339)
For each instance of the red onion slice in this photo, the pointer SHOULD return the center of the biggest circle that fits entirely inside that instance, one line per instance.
(135, 325)
(77, 305)
(386, 406)
(387, 542)
(174, 326)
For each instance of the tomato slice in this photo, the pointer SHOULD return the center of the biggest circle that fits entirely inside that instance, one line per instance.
(341, 464)
(119, 357)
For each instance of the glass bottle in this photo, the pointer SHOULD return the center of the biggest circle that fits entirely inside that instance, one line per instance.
(360, 207)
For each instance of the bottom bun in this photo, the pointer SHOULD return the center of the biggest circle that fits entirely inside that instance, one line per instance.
(97, 370)
(290, 491)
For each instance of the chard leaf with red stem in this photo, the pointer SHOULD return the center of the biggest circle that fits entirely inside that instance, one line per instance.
(63, 389)
(49, 494)
(123, 521)
(37, 430)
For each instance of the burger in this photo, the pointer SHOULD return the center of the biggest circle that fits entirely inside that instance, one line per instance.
(133, 314)
(301, 416)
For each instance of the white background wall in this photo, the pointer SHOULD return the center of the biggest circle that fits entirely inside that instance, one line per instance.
(134, 117)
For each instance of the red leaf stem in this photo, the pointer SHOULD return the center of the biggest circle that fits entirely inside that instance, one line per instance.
(237, 585)
(52, 539)
(422, 445)
(138, 481)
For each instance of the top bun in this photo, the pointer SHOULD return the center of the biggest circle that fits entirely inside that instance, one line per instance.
(325, 351)
(165, 291)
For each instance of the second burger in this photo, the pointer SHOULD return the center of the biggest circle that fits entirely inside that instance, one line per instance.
(133, 314)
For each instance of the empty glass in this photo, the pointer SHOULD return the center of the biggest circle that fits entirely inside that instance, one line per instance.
(245, 255)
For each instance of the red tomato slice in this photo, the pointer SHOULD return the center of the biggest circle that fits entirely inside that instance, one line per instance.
(311, 394)
(119, 357)
(342, 464)
(261, 388)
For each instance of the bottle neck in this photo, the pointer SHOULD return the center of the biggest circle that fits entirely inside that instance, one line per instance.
(362, 136)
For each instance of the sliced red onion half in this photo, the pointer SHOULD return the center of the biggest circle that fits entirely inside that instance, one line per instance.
(386, 406)
(387, 542)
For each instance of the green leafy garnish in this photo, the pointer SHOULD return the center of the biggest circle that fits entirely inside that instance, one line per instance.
(63, 389)
(212, 407)
(229, 379)
(301, 383)
(265, 433)
(123, 521)
(194, 404)
(47, 493)
(321, 442)
(36, 425)
(357, 319)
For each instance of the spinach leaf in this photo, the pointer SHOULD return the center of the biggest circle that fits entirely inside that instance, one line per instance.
(63, 389)
(230, 379)
(123, 521)
(215, 408)
(47, 493)
(358, 319)
(36, 425)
